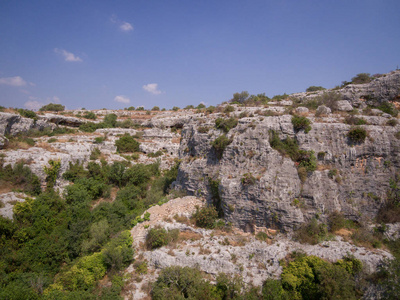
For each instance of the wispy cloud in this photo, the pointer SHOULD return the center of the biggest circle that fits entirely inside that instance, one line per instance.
(122, 99)
(33, 105)
(152, 88)
(124, 26)
(13, 81)
(68, 56)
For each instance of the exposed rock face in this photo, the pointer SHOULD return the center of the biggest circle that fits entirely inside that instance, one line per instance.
(344, 105)
(323, 110)
(62, 120)
(361, 179)
(12, 124)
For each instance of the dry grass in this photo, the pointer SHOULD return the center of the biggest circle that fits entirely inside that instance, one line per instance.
(189, 235)
(323, 167)
(17, 145)
(46, 146)
(176, 140)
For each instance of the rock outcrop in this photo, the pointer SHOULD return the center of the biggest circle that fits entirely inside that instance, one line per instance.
(351, 178)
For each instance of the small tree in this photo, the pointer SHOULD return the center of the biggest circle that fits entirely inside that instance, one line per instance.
(155, 108)
(357, 134)
(300, 122)
(127, 143)
(205, 217)
(361, 78)
(52, 107)
(240, 97)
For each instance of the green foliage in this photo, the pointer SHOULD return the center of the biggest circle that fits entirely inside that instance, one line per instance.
(311, 233)
(226, 124)
(310, 277)
(99, 139)
(306, 160)
(357, 134)
(262, 236)
(27, 113)
(189, 107)
(89, 127)
(228, 109)
(175, 108)
(219, 145)
(155, 108)
(389, 108)
(75, 171)
(90, 115)
(180, 283)
(314, 88)
(390, 210)
(203, 129)
(205, 217)
(21, 177)
(361, 78)
(300, 122)
(52, 107)
(127, 143)
(240, 98)
(390, 278)
(200, 106)
(118, 253)
(248, 179)
(95, 154)
(158, 237)
(52, 172)
(328, 99)
(272, 290)
(155, 154)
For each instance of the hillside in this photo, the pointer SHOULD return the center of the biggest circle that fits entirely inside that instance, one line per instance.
(309, 178)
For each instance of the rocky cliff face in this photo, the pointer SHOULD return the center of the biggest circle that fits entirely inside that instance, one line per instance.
(351, 178)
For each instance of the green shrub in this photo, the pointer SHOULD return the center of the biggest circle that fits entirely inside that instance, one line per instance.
(95, 154)
(248, 179)
(357, 134)
(228, 109)
(205, 217)
(27, 113)
(328, 99)
(155, 154)
(314, 88)
(361, 78)
(175, 108)
(52, 172)
(389, 108)
(226, 124)
(311, 233)
(155, 108)
(262, 236)
(20, 176)
(90, 115)
(127, 143)
(390, 210)
(110, 121)
(203, 129)
(158, 237)
(180, 283)
(219, 145)
(52, 140)
(89, 127)
(300, 122)
(99, 139)
(52, 107)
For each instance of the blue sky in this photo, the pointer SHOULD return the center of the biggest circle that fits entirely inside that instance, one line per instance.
(115, 54)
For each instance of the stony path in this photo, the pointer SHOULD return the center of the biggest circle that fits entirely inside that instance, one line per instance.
(181, 206)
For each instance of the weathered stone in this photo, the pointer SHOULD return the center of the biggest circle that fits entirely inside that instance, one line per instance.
(3, 141)
(323, 110)
(62, 120)
(301, 110)
(343, 105)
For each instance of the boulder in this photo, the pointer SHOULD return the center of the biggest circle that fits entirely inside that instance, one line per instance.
(323, 111)
(343, 105)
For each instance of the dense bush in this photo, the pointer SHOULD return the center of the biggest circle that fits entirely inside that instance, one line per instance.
(314, 88)
(390, 210)
(240, 98)
(52, 107)
(357, 134)
(311, 233)
(205, 217)
(300, 122)
(353, 120)
(389, 108)
(328, 99)
(361, 78)
(158, 237)
(90, 115)
(226, 124)
(219, 145)
(27, 113)
(155, 108)
(127, 143)
(21, 177)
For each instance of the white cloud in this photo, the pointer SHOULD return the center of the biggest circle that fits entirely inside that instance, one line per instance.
(125, 26)
(33, 105)
(122, 99)
(13, 81)
(152, 88)
(68, 56)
